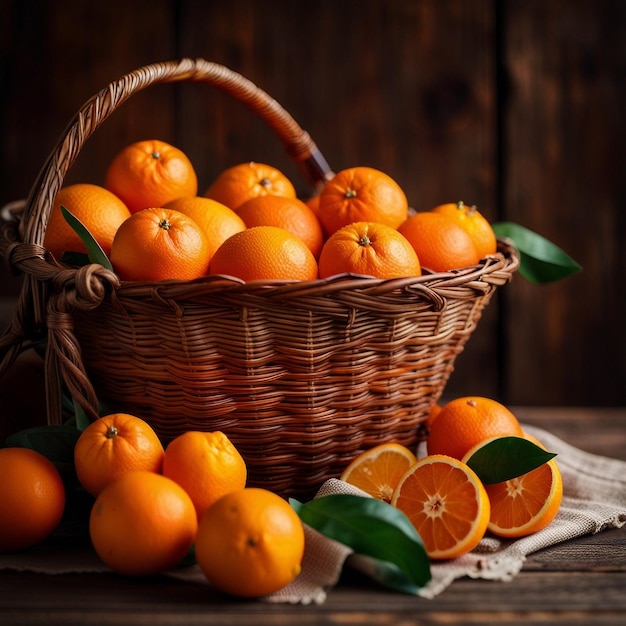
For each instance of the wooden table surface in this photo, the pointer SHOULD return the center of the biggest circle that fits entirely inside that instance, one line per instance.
(579, 582)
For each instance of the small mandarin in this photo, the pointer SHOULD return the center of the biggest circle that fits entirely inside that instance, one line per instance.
(243, 181)
(289, 213)
(361, 194)
(371, 249)
(250, 543)
(265, 253)
(440, 243)
(160, 244)
(99, 210)
(464, 422)
(112, 446)
(206, 465)
(149, 174)
(142, 524)
(32, 498)
(215, 219)
(474, 224)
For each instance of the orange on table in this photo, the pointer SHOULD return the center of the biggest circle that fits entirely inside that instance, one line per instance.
(215, 219)
(32, 498)
(160, 244)
(238, 183)
(206, 465)
(264, 253)
(378, 470)
(464, 422)
(525, 504)
(441, 244)
(473, 223)
(433, 413)
(99, 210)
(368, 248)
(361, 194)
(447, 504)
(289, 213)
(142, 524)
(112, 446)
(150, 173)
(250, 543)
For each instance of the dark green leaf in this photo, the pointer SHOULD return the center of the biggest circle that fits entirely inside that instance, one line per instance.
(507, 457)
(75, 259)
(375, 529)
(55, 442)
(82, 421)
(95, 253)
(541, 261)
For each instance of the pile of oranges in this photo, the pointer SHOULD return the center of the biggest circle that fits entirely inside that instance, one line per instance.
(440, 493)
(152, 224)
(151, 506)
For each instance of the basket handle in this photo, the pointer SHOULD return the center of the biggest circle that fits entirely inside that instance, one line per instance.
(97, 109)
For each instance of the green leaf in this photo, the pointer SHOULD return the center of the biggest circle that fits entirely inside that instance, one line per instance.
(541, 261)
(507, 457)
(375, 529)
(55, 442)
(75, 259)
(95, 253)
(82, 421)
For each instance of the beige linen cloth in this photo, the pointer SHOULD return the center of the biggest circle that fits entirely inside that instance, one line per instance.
(594, 499)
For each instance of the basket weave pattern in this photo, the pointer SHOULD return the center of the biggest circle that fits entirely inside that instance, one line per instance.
(302, 376)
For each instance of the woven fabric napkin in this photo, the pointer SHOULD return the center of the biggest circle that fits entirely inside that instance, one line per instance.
(594, 499)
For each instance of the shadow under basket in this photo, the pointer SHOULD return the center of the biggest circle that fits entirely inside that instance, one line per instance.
(301, 376)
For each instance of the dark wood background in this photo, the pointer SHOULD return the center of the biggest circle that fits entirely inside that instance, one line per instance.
(517, 106)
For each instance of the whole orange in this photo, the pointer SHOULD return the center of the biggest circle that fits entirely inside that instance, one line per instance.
(368, 248)
(215, 219)
(236, 184)
(142, 524)
(289, 213)
(32, 498)
(99, 210)
(264, 253)
(361, 194)
(473, 223)
(206, 465)
(149, 174)
(112, 446)
(313, 203)
(441, 244)
(464, 422)
(250, 543)
(160, 244)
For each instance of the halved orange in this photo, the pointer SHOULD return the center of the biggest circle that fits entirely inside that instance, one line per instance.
(378, 470)
(526, 504)
(447, 504)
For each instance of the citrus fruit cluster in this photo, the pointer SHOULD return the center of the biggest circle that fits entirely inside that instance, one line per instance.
(153, 505)
(149, 219)
(443, 496)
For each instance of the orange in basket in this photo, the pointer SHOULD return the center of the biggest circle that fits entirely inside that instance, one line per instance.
(361, 194)
(148, 174)
(241, 182)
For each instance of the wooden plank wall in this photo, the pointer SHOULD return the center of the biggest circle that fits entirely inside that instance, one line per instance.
(516, 106)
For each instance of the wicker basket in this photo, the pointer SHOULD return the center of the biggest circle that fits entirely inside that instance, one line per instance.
(302, 376)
